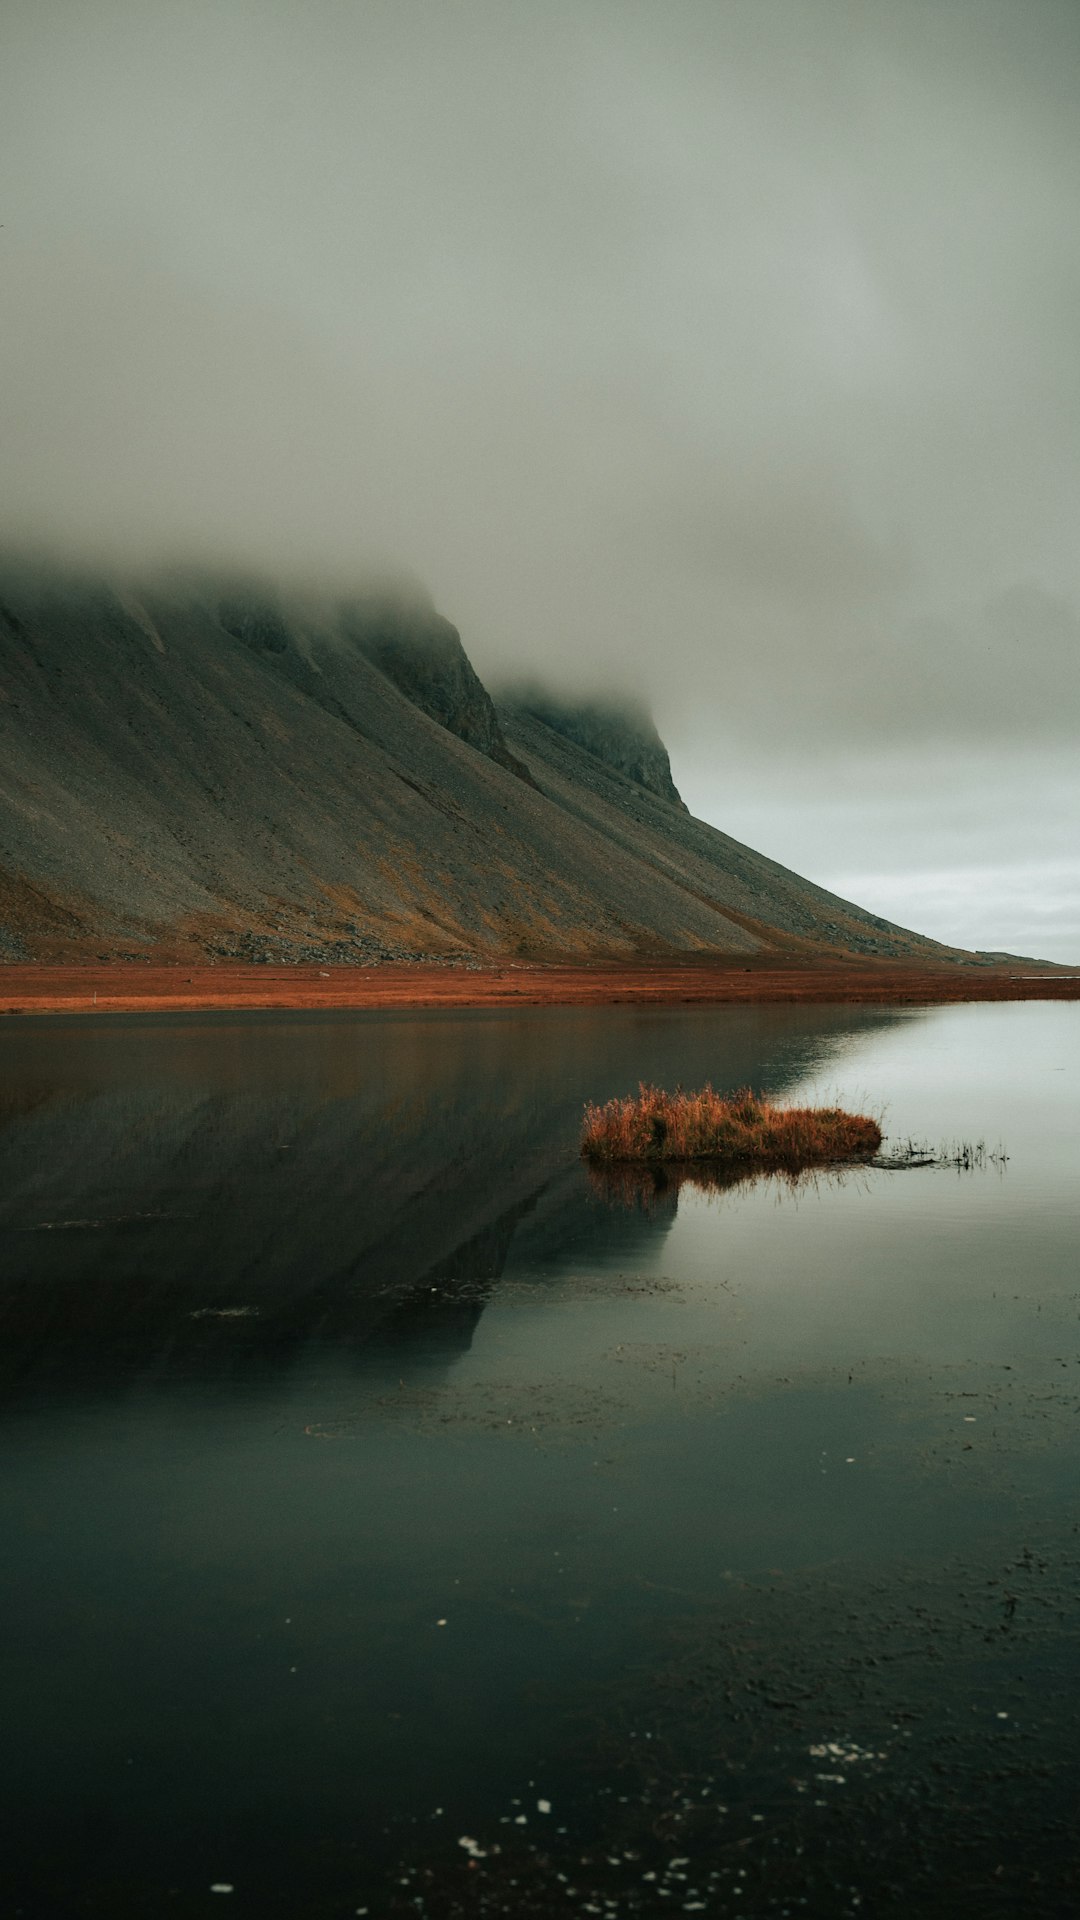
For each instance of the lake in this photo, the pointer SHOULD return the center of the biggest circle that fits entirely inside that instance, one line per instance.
(397, 1521)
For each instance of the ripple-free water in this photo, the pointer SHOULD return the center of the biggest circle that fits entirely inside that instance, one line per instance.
(371, 1480)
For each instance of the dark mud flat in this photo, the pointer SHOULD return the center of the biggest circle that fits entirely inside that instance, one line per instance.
(396, 1523)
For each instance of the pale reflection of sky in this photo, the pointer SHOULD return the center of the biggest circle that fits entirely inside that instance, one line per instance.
(937, 1263)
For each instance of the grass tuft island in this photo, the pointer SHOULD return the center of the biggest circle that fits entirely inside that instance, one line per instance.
(743, 1129)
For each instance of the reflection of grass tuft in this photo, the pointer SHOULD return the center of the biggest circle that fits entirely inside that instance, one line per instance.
(653, 1186)
(740, 1131)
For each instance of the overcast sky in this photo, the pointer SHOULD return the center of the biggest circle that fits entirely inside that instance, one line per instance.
(724, 350)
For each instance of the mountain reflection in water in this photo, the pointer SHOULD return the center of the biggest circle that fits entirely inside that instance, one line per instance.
(170, 1186)
(372, 1483)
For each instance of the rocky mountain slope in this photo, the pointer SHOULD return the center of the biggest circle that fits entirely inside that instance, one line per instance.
(621, 734)
(198, 765)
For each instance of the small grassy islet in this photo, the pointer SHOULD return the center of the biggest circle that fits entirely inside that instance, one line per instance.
(743, 1128)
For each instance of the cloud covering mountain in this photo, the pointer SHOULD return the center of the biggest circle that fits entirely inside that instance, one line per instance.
(726, 354)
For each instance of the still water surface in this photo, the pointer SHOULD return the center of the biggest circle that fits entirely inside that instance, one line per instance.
(372, 1483)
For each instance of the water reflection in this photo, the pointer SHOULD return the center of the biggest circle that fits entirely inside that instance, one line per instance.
(369, 1477)
(174, 1192)
(654, 1188)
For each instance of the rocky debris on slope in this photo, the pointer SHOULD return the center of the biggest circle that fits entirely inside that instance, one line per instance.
(620, 733)
(758, 893)
(422, 655)
(417, 650)
(216, 767)
(354, 949)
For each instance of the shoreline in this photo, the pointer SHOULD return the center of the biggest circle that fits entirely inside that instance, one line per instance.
(40, 988)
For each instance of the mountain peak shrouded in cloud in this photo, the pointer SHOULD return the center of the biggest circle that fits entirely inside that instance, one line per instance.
(207, 766)
(725, 352)
(618, 731)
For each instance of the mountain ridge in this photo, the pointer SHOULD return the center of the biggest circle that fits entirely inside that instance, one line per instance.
(219, 767)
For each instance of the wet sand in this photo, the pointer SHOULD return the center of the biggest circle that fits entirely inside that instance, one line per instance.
(178, 988)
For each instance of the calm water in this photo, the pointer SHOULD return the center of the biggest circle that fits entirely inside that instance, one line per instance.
(371, 1483)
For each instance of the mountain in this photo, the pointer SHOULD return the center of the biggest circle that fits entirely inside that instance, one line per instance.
(192, 764)
(620, 733)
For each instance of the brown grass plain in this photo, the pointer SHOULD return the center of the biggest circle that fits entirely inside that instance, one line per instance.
(180, 987)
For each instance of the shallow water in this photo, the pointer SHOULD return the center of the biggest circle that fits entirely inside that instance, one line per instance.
(370, 1480)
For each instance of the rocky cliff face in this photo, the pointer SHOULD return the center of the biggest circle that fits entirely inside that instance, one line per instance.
(422, 654)
(620, 733)
(419, 652)
(198, 766)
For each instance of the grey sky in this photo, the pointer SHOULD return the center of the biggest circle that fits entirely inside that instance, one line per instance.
(725, 351)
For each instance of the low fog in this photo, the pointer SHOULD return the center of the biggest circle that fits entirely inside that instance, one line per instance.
(722, 353)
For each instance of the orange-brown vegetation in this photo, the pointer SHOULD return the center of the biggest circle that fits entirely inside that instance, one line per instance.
(744, 1129)
(168, 986)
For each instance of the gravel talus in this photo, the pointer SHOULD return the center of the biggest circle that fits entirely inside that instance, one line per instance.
(207, 766)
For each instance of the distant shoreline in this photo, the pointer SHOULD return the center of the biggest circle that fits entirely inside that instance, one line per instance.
(39, 988)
